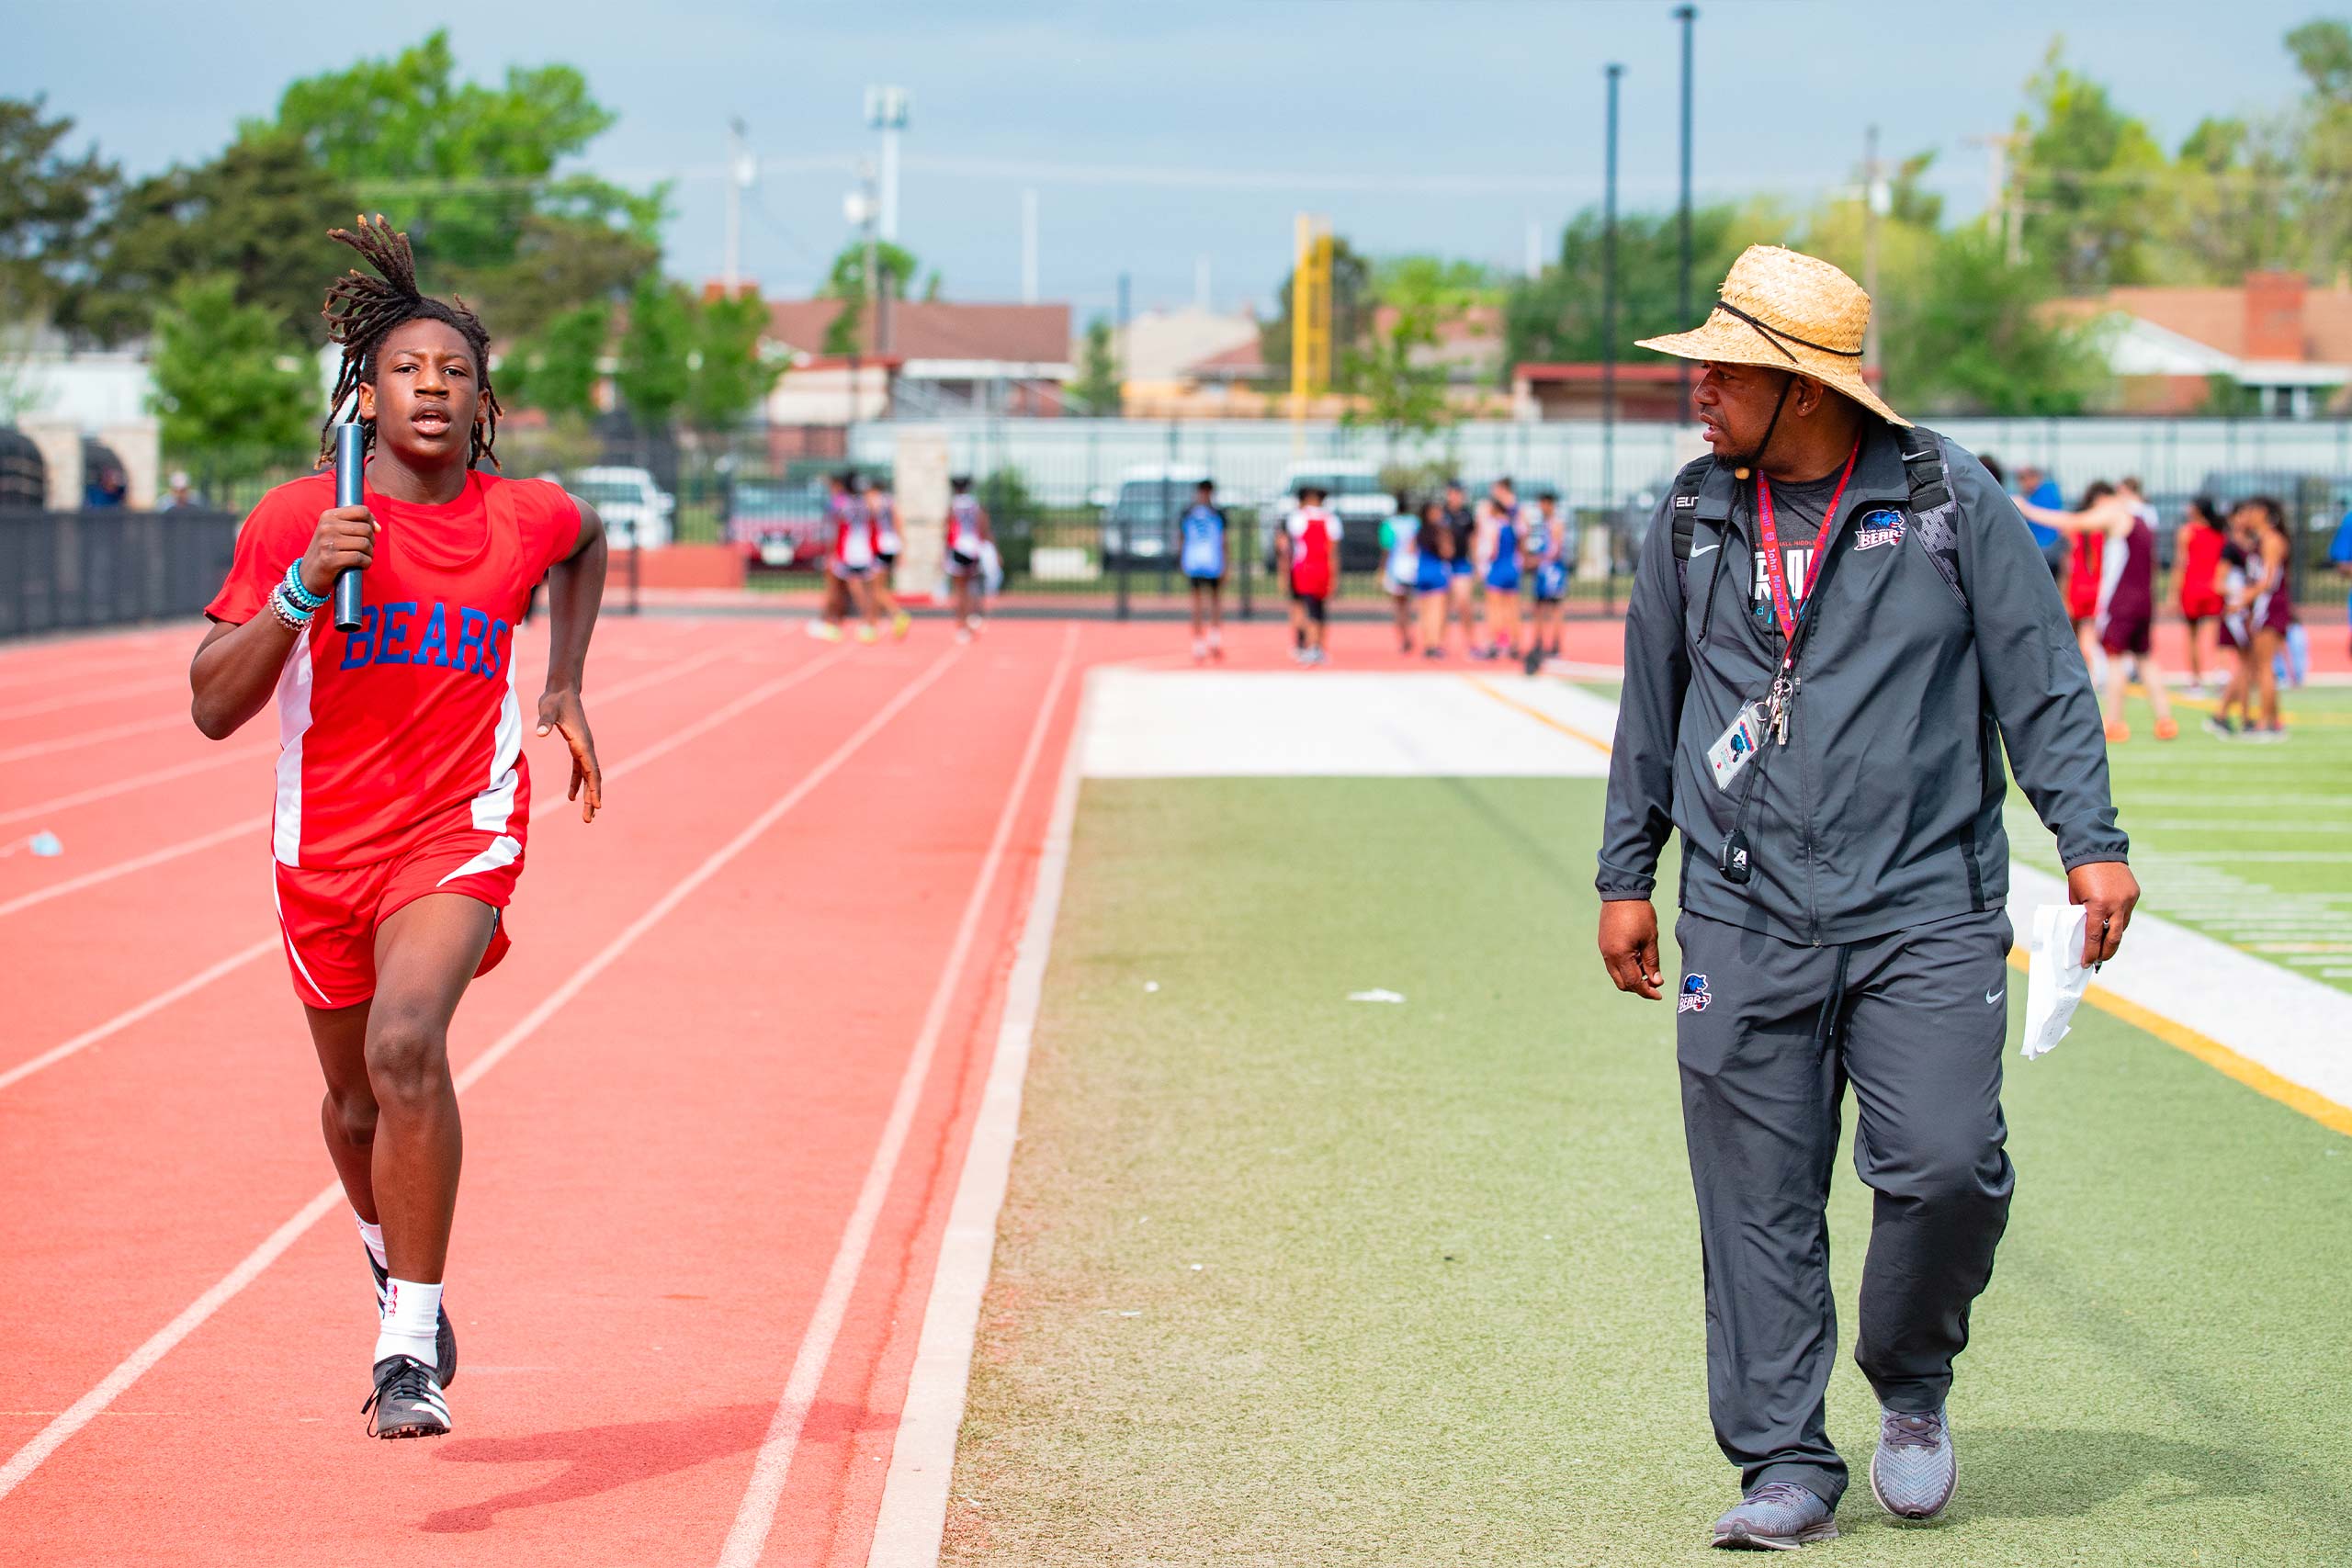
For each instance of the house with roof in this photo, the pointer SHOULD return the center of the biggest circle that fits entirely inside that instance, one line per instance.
(926, 358)
(2286, 345)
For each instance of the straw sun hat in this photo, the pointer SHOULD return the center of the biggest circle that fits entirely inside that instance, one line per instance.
(1791, 312)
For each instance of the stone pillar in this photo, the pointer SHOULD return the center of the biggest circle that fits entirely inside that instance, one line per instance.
(60, 453)
(919, 481)
(140, 446)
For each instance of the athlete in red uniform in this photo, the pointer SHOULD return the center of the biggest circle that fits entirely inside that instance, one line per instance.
(1311, 536)
(2123, 607)
(2200, 550)
(402, 793)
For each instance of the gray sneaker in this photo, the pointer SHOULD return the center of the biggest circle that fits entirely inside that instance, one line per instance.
(1779, 1515)
(1914, 1472)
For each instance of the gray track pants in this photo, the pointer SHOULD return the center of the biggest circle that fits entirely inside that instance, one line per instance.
(1916, 1021)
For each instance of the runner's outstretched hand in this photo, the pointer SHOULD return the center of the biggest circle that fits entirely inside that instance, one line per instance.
(1629, 946)
(2107, 890)
(561, 710)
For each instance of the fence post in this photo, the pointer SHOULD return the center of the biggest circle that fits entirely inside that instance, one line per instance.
(1168, 493)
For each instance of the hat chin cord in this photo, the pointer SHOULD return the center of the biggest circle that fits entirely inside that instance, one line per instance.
(1744, 466)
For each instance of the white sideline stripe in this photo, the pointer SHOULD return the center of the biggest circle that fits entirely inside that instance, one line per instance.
(140, 862)
(84, 699)
(93, 737)
(756, 1516)
(254, 824)
(552, 803)
(913, 1516)
(147, 1009)
(50, 1438)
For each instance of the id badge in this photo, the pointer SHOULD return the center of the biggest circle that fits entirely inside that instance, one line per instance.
(1735, 748)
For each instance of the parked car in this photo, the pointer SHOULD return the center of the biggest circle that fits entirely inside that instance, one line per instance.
(636, 511)
(1141, 525)
(1352, 493)
(779, 522)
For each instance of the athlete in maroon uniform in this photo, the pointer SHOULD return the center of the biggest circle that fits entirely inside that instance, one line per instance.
(2123, 603)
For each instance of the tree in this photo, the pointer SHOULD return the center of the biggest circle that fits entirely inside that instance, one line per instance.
(2091, 177)
(845, 281)
(1098, 391)
(48, 201)
(655, 350)
(257, 214)
(469, 171)
(227, 393)
(729, 373)
(1972, 334)
(557, 371)
(1400, 385)
(2317, 143)
(1557, 317)
(1351, 306)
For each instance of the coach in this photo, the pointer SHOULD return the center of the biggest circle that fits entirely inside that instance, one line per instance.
(1839, 623)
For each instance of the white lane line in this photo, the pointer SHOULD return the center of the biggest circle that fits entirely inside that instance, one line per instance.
(756, 1516)
(136, 781)
(79, 1415)
(542, 807)
(84, 699)
(913, 1516)
(93, 737)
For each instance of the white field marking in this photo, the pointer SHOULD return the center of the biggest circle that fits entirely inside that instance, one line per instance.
(756, 1515)
(1192, 724)
(546, 806)
(239, 753)
(50, 1438)
(913, 1516)
(207, 840)
(84, 699)
(2265, 1012)
(94, 736)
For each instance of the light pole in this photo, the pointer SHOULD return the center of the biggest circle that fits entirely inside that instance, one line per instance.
(886, 111)
(742, 169)
(1686, 14)
(1608, 312)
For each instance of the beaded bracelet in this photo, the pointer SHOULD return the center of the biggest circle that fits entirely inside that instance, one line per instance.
(288, 616)
(297, 591)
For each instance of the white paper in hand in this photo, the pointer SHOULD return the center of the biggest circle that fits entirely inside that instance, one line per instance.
(2055, 976)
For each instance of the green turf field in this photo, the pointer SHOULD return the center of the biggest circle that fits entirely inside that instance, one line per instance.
(2246, 842)
(1285, 1279)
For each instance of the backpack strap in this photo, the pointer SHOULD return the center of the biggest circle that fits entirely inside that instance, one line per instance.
(1934, 508)
(1684, 513)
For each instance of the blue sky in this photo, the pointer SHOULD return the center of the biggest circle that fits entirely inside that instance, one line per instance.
(1158, 134)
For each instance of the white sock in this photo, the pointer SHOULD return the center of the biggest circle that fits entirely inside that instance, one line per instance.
(410, 1312)
(374, 1236)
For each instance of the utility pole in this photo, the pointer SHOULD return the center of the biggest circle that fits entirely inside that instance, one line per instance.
(1609, 309)
(1029, 247)
(742, 169)
(2004, 201)
(1686, 14)
(1873, 194)
(864, 209)
(886, 111)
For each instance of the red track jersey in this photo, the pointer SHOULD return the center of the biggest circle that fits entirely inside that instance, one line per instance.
(416, 712)
(1310, 529)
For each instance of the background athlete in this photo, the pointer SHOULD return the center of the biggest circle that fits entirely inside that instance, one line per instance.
(967, 545)
(2124, 607)
(1201, 535)
(403, 798)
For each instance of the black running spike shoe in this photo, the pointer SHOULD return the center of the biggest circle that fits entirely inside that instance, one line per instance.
(444, 1338)
(407, 1401)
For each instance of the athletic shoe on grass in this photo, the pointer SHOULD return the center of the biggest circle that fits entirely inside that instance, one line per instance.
(1779, 1515)
(1914, 1472)
(2219, 728)
(444, 1338)
(407, 1401)
(2117, 732)
(2167, 729)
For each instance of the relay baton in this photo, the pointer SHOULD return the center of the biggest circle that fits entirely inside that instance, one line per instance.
(350, 464)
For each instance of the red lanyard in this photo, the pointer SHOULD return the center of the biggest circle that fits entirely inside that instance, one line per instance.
(1776, 572)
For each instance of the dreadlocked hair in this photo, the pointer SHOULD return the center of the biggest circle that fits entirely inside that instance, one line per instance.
(361, 311)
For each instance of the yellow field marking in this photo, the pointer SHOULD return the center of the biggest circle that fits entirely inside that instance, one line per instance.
(2287, 716)
(2214, 1054)
(1539, 717)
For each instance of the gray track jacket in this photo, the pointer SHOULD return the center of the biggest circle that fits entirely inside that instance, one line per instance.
(1883, 810)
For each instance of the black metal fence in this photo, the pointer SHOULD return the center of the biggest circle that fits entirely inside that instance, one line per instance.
(63, 571)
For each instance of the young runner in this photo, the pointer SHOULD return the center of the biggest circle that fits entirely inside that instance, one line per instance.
(403, 796)
(1313, 535)
(2340, 556)
(1461, 522)
(849, 569)
(967, 543)
(2270, 610)
(2124, 612)
(2199, 549)
(1547, 578)
(1499, 535)
(884, 510)
(1400, 568)
(1433, 580)
(2084, 560)
(1202, 531)
(2240, 543)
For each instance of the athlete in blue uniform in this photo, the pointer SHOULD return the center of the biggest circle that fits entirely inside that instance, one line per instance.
(1202, 559)
(1546, 561)
(1499, 532)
